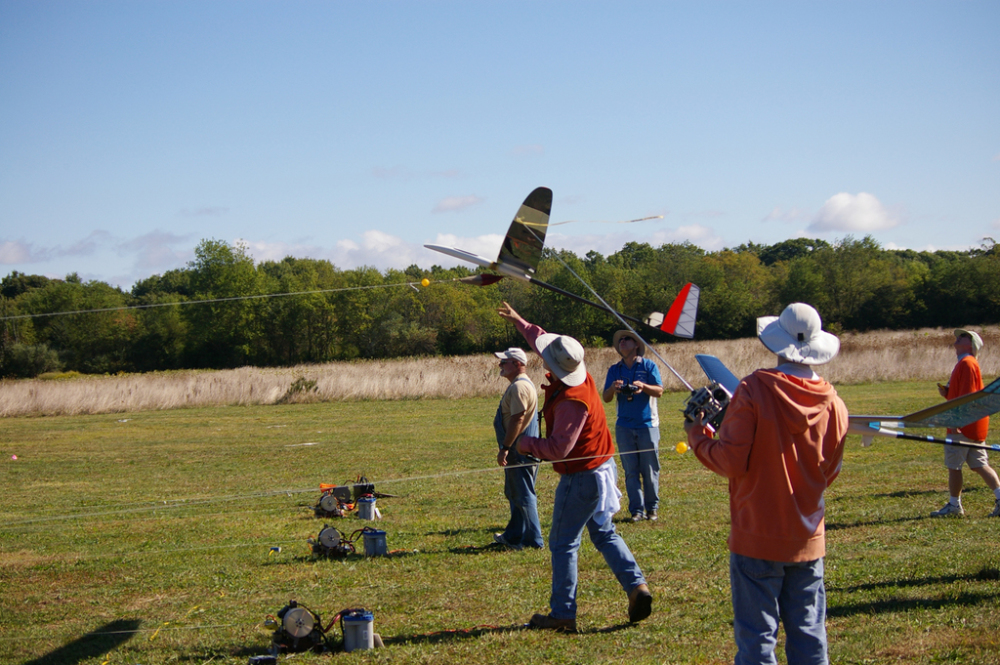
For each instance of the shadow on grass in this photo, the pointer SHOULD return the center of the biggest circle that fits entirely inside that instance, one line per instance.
(853, 525)
(900, 606)
(92, 645)
(483, 549)
(985, 574)
(355, 557)
(453, 635)
(459, 532)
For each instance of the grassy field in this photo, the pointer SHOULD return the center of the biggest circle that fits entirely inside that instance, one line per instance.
(145, 538)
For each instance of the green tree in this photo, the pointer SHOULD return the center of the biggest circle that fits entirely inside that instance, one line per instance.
(223, 331)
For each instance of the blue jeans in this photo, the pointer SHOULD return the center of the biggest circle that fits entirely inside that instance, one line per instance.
(575, 506)
(766, 591)
(519, 488)
(642, 469)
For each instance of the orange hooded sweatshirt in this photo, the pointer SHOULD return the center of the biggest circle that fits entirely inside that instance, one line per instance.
(781, 445)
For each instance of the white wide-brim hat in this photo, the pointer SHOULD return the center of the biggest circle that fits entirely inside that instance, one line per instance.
(797, 335)
(640, 346)
(564, 357)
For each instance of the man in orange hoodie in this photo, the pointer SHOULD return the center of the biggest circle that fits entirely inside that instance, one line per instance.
(780, 445)
(966, 378)
(578, 442)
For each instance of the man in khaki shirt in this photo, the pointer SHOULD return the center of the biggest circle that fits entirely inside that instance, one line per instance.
(517, 415)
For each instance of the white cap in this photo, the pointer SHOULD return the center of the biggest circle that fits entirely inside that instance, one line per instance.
(513, 353)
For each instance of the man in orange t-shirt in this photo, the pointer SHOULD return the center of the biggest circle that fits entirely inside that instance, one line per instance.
(781, 445)
(966, 378)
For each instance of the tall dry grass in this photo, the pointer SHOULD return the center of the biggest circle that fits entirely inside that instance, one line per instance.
(864, 358)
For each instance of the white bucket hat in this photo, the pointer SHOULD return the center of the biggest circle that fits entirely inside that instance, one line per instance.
(977, 341)
(564, 357)
(512, 353)
(797, 335)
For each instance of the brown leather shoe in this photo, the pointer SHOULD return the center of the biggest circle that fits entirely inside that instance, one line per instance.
(640, 603)
(551, 623)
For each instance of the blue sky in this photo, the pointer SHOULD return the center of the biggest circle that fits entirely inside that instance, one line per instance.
(358, 131)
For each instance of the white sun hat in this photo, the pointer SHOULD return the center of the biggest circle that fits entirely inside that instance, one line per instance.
(977, 341)
(797, 335)
(564, 357)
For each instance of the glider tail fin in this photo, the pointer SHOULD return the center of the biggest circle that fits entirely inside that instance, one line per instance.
(680, 318)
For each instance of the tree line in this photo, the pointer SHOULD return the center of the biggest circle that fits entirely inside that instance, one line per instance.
(281, 313)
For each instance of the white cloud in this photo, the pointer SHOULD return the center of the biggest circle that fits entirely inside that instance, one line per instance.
(16, 251)
(608, 244)
(13, 252)
(262, 250)
(89, 245)
(377, 248)
(791, 215)
(861, 213)
(379, 241)
(456, 203)
(155, 252)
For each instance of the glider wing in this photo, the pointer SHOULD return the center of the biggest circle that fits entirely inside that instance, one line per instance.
(462, 254)
(522, 247)
(960, 411)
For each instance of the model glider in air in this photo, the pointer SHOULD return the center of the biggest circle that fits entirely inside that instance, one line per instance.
(522, 250)
(952, 414)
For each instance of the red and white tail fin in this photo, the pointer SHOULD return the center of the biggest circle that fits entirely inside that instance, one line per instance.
(680, 318)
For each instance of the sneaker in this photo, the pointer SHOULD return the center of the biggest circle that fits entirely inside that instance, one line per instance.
(640, 603)
(638, 517)
(652, 516)
(996, 509)
(951, 510)
(500, 540)
(549, 622)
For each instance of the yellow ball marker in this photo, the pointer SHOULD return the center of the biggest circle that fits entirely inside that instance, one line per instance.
(425, 282)
(681, 447)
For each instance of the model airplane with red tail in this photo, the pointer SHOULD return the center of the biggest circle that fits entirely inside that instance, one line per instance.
(522, 250)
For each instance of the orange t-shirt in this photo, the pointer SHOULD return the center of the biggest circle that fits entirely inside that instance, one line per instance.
(966, 378)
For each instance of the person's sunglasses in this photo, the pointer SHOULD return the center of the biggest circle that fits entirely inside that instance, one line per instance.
(504, 362)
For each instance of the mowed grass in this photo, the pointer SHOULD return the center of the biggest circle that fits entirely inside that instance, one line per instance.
(146, 538)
